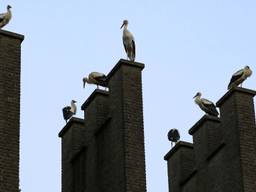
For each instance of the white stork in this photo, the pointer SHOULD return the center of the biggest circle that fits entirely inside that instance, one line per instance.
(206, 105)
(173, 136)
(69, 111)
(95, 78)
(5, 17)
(239, 77)
(128, 41)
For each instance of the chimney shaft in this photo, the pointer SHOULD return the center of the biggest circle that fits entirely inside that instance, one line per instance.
(10, 53)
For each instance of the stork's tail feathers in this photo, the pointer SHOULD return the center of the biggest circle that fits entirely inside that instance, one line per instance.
(103, 81)
(231, 85)
(131, 57)
(213, 111)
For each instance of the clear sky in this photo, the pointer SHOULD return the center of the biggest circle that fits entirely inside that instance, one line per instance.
(187, 46)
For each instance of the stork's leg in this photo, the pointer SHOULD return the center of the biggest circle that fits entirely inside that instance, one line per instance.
(171, 143)
(97, 86)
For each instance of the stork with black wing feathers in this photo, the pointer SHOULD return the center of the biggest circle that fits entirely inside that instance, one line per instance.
(128, 41)
(69, 111)
(206, 105)
(96, 78)
(173, 136)
(239, 77)
(5, 17)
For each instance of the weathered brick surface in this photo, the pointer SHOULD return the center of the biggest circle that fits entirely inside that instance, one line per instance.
(9, 110)
(180, 162)
(71, 142)
(238, 115)
(113, 135)
(126, 92)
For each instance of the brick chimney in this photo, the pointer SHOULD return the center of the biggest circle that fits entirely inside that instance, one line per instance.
(10, 53)
(207, 141)
(111, 150)
(224, 149)
(239, 131)
(180, 162)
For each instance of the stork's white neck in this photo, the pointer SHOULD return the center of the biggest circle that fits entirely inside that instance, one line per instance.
(125, 27)
(198, 99)
(9, 12)
(73, 107)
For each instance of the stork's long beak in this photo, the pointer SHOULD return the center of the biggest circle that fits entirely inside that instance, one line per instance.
(122, 26)
(84, 81)
(195, 95)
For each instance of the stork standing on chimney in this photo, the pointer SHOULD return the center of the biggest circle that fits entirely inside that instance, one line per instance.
(96, 78)
(173, 136)
(239, 77)
(128, 41)
(206, 105)
(69, 111)
(5, 17)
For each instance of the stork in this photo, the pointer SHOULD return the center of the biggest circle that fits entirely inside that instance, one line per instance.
(239, 77)
(69, 111)
(173, 136)
(96, 78)
(128, 41)
(5, 17)
(206, 105)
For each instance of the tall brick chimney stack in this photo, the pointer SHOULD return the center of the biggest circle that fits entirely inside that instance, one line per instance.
(223, 154)
(109, 153)
(125, 94)
(239, 132)
(10, 53)
(180, 165)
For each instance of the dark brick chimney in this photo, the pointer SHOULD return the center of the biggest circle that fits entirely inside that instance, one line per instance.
(180, 162)
(112, 137)
(224, 149)
(71, 141)
(10, 53)
(239, 131)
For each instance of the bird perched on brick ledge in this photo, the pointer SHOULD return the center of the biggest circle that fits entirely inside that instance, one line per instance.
(96, 78)
(239, 77)
(5, 17)
(69, 111)
(206, 105)
(173, 136)
(128, 41)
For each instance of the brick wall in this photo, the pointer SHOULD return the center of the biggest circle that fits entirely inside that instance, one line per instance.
(113, 134)
(9, 110)
(224, 149)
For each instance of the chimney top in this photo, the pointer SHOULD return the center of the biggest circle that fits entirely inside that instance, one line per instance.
(124, 62)
(68, 125)
(238, 89)
(201, 121)
(11, 34)
(176, 147)
(92, 96)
